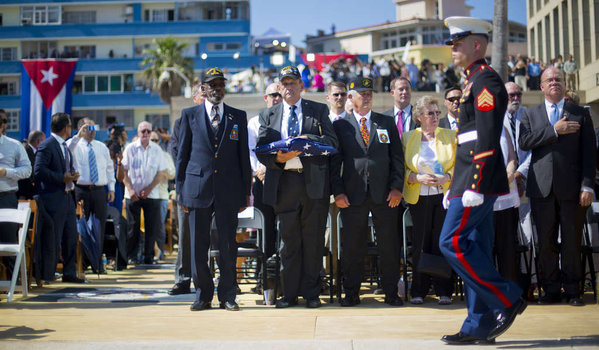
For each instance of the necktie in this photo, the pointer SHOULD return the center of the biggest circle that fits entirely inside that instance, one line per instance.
(364, 131)
(292, 124)
(554, 114)
(400, 122)
(67, 157)
(215, 119)
(93, 166)
(513, 127)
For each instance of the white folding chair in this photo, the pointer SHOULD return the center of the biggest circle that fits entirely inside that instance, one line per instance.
(21, 217)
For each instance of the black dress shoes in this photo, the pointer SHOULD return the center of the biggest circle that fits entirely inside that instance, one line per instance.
(200, 305)
(73, 279)
(179, 288)
(350, 300)
(229, 306)
(313, 303)
(285, 303)
(506, 317)
(465, 339)
(393, 300)
(576, 301)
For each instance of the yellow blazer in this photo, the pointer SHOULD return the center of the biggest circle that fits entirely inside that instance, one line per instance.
(445, 149)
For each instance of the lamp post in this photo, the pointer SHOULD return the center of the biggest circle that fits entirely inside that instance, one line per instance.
(165, 76)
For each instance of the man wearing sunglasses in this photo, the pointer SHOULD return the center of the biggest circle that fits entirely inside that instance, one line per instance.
(272, 97)
(336, 98)
(145, 167)
(452, 102)
(213, 180)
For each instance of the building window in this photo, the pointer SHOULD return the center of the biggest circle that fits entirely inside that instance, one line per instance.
(8, 88)
(0, 19)
(223, 46)
(432, 35)
(13, 120)
(79, 51)
(79, 17)
(8, 54)
(159, 15)
(107, 83)
(40, 15)
(39, 49)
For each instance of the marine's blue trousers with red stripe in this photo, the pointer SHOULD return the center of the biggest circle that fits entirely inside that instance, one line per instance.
(467, 243)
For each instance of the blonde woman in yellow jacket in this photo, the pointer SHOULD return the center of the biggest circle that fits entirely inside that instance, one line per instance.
(429, 161)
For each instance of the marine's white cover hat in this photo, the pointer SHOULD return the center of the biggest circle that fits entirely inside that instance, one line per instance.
(461, 27)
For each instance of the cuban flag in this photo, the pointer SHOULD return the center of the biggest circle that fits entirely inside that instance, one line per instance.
(46, 88)
(308, 148)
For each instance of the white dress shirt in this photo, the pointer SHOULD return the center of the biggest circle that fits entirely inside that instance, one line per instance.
(293, 163)
(407, 116)
(453, 123)
(142, 165)
(210, 112)
(14, 159)
(80, 150)
(170, 174)
(333, 116)
(253, 129)
(60, 141)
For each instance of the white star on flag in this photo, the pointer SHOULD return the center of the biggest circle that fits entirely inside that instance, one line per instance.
(325, 153)
(307, 146)
(307, 154)
(49, 76)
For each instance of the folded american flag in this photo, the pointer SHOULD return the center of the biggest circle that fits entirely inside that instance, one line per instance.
(307, 147)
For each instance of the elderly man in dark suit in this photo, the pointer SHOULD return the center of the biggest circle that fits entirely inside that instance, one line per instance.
(366, 176)
(560, 184)
(297, 188)
(213, 177)
(55, 181)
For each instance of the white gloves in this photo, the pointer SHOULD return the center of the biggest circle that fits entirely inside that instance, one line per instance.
(472, 199)
(446, 200)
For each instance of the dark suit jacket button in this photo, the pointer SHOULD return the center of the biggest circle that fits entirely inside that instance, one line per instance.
(215, 171)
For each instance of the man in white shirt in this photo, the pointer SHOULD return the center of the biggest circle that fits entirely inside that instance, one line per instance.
(271, 97)
(92, 159)
(14, 166)
(336, 98)
(163, 194)
(145, 167)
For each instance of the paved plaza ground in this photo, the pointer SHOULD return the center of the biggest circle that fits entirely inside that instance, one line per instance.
(130, 310)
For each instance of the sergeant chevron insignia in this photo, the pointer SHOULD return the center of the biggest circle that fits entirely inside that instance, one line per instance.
(485, 101)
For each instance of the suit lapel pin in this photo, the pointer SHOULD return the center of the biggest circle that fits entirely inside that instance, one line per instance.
(234, 133)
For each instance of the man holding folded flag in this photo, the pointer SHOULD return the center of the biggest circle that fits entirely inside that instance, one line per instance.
(297, 187)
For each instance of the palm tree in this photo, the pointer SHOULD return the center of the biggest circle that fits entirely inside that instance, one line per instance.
(500, 36)
(167, 52)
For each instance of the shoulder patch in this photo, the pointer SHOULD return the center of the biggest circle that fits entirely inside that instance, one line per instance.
(485, 101)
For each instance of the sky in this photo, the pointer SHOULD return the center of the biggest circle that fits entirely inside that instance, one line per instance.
(310, 15)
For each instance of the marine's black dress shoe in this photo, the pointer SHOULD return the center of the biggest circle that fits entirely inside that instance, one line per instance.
(575, 301)
(179, 288)
(284, 302)
(506, 317)
(393, 300)
(230, 306)
(200, 305)
(465, 339)
(73, 279)
(350, 300)
(313, 303)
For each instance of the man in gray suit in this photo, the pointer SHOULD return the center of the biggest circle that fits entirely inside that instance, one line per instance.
(297, 188)
(560, 184)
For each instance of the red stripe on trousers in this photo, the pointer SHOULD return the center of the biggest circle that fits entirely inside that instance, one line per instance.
(460, 256)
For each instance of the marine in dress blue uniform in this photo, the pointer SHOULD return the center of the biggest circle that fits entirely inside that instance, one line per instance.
(467, 236)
